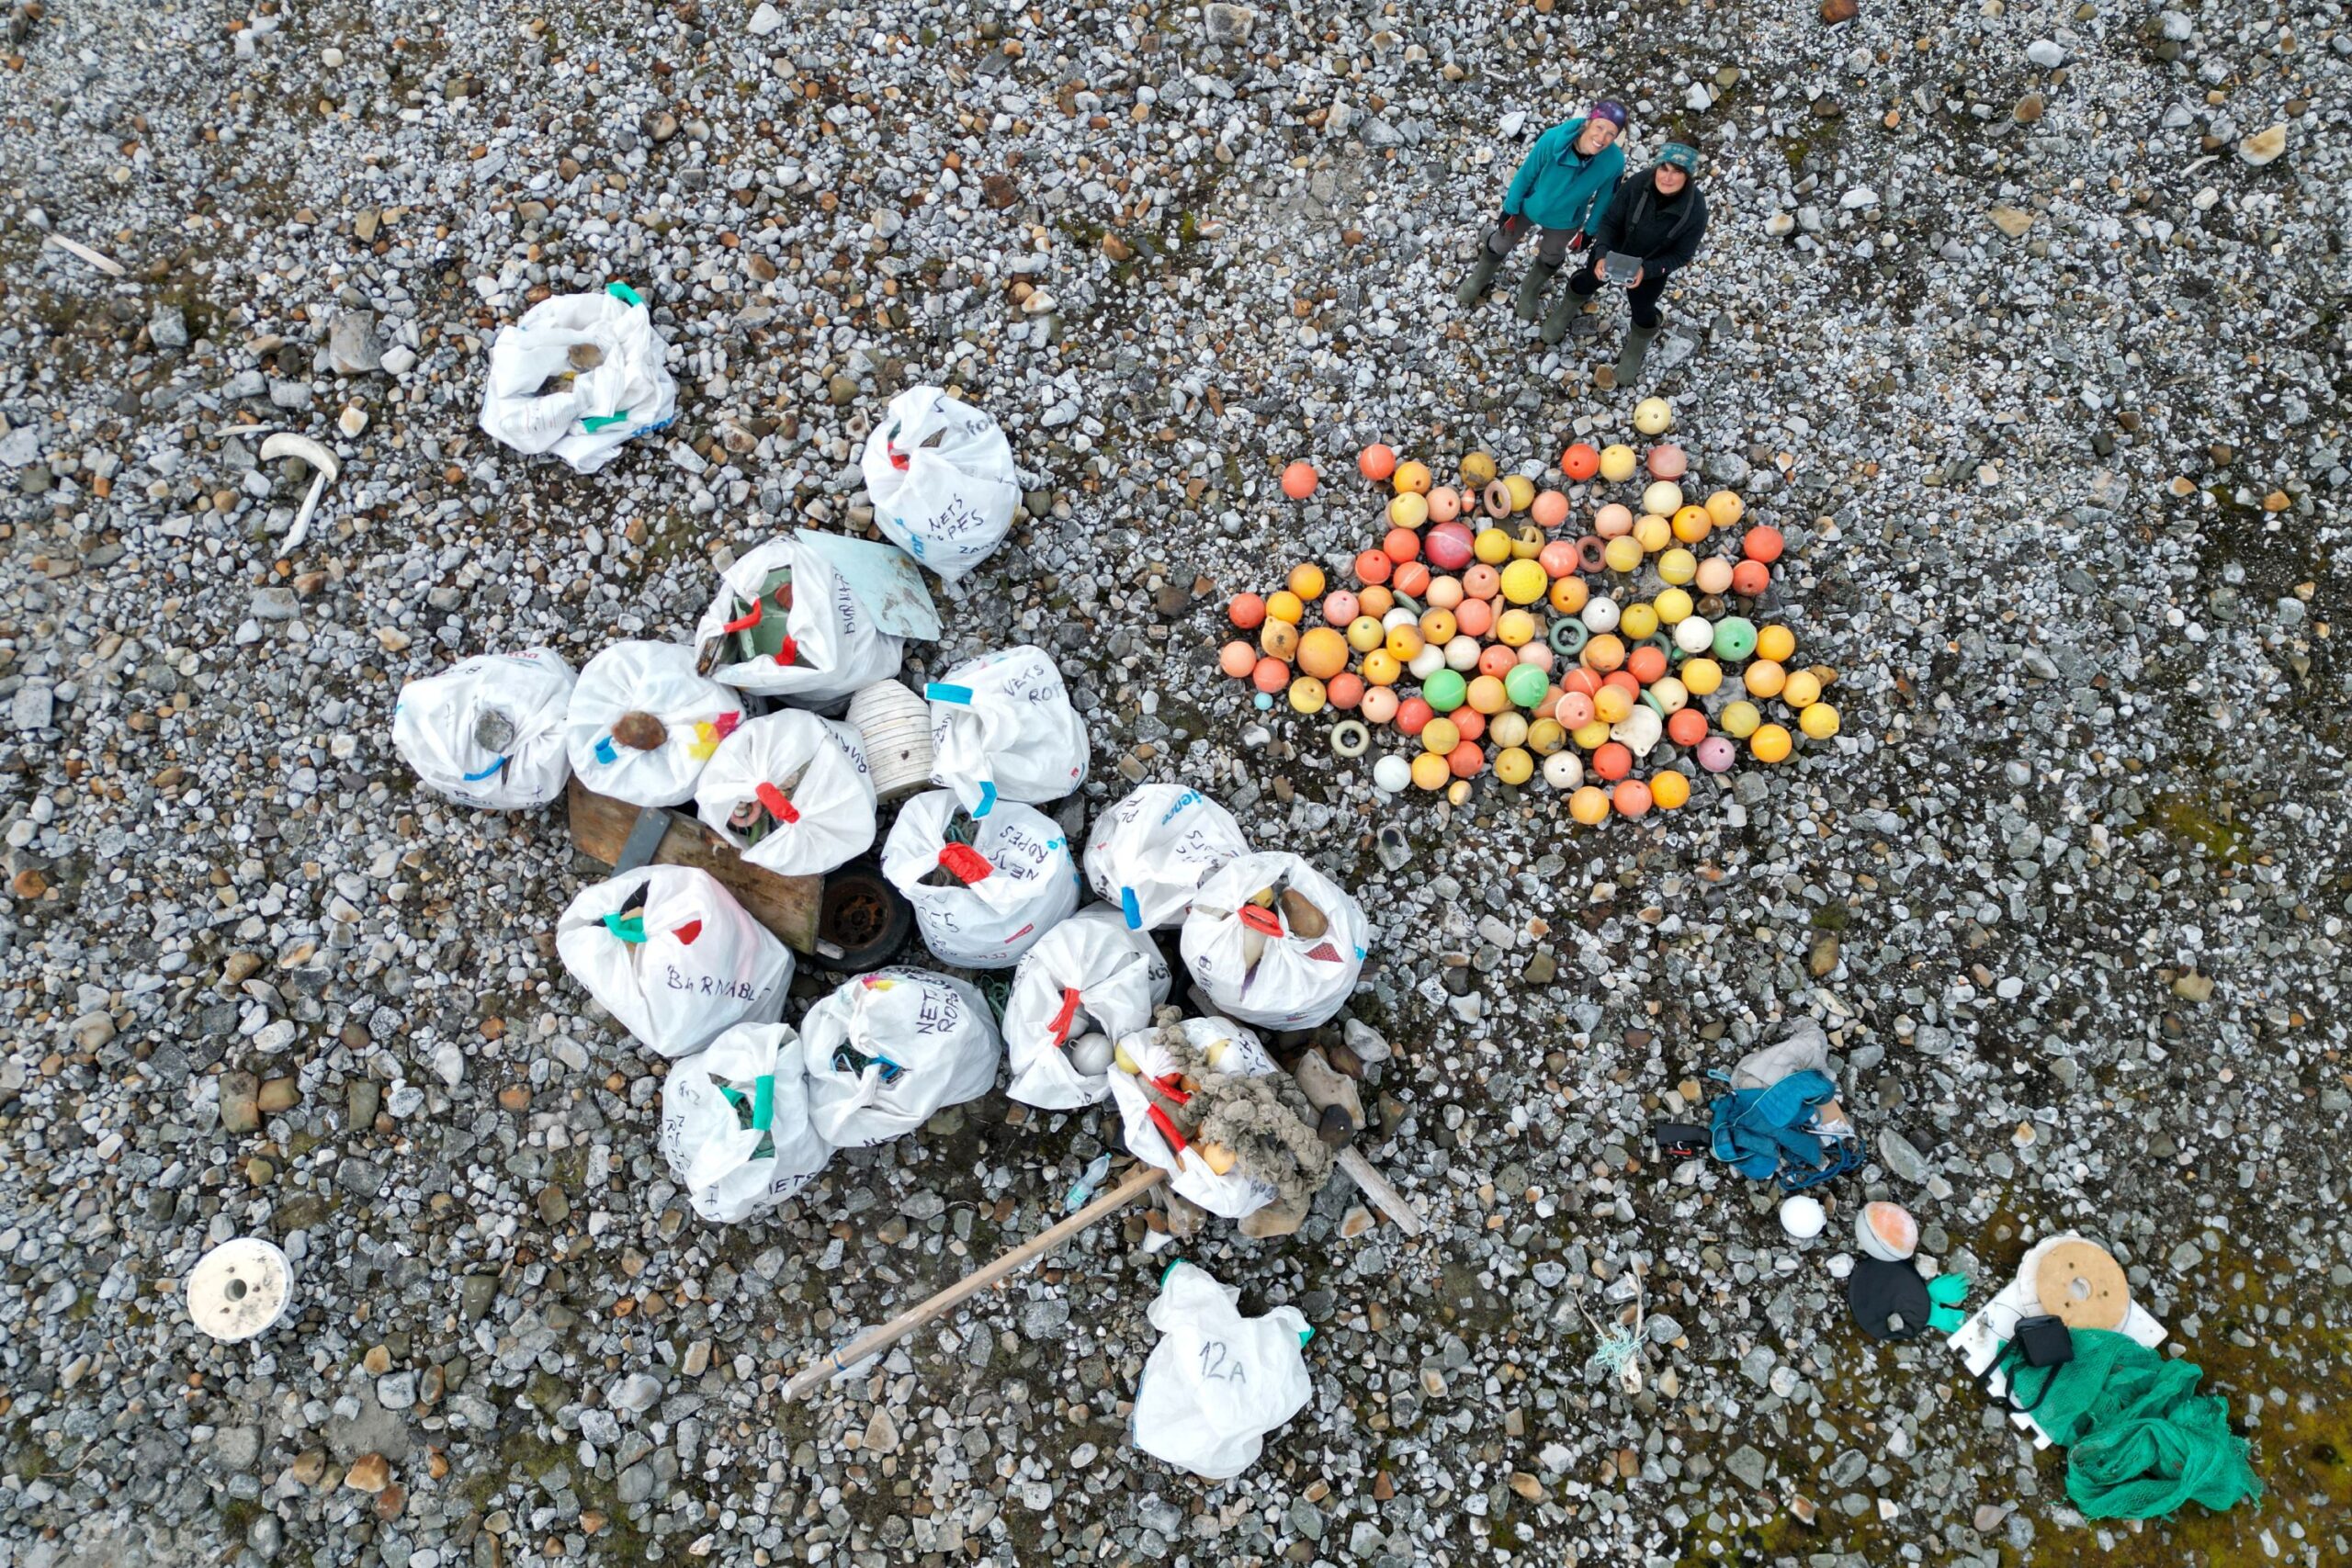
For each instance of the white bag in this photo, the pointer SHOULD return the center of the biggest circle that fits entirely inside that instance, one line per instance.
(1149, 851)
(1015, 881)
(1248, 960)
(1217, 1381)
(1002, 728)
(489, 731)
(627, 391)
(886, 1050)
(1088, 982)
(735, 1123)
(1229, 1049)
(832, 644)
(941, 477)
(634, 680)
(692, 966)
(806, 778)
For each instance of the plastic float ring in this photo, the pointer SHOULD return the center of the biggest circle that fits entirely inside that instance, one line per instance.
(1350, 738)
(1568, 636)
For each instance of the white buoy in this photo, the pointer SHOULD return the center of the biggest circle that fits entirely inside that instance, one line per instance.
(896, 726)
(1802, 1217)
(241, 1288)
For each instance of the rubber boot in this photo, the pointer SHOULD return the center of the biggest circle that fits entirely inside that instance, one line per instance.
(1629, 363)
(1531, 286)
(1482, 277)
(1563, 310)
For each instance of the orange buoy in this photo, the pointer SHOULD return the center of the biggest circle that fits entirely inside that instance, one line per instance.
(1376, 462)
(1246, 611)
(1299, 479)
(1580, 462)
(1237, 659)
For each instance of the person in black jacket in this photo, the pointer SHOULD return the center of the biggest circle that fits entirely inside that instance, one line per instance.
(1658, 216)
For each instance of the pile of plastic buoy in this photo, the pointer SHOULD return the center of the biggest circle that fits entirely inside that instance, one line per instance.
(1625, 660)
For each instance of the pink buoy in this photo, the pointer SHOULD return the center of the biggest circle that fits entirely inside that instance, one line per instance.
(1550, 509)
(1716, 754)
(1613, 521)
(1575, 710)
(1668, 462)
(1558, 558)
(1447, 547)
(1538, 653)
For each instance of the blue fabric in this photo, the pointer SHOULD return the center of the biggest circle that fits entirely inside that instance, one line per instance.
(1559, 187)
(1756, 1129)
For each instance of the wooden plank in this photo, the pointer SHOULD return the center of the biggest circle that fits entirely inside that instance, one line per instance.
(786, 905)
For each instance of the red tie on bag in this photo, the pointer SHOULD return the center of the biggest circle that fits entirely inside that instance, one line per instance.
(1260, 919)
(965, 863)
(1063, 1019)
(782, 809)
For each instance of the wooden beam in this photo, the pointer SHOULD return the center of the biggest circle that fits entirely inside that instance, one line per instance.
(788, 905)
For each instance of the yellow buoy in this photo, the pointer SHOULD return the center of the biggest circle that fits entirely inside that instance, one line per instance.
(1522, 490)
(1365, 634)
(1702, 676)
(1672, 605)
(1652, 417)
(1524, 582)
(1569, 595)
(1478, 472)
(1668, 790)
(1440, 735)
(1412, 479)
(1637, 621)
(1381, 668)
(1492, 546)
(1430, 770)
(1284, 605)
(1770, 743)
(1306, 694)
(1409, 511)
(1514, 766)
(1738, 720)
(1678, 567)
(1623, 553)
(1819, 720)
(1508, 729)
(1802, 691)
(1775, 643)
(1691, 525)
(1618, 463)
(1590, 736)
(1763, 678)
(1652, 532)
(1514, 628)
(1545, 737)
(1589, 806)
(1724, 509)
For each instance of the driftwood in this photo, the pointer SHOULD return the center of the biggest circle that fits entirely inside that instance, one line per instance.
(788, 906)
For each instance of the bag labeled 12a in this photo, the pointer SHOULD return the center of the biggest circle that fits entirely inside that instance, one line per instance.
(669, 952)
(488, 732)
(576, 375)
(1087, 983)
(642, 724)
(985, 888)
(1274, 942)
(790, 790)
(1147, 854)
(1217, 1381)
(735, 1123)
(1002, 728)
(887, 1050)
(784, 623)
(942, 481)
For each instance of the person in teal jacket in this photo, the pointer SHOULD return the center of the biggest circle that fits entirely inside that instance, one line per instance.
(1562, 192)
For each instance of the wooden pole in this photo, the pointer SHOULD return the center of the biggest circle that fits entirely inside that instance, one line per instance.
(1141, 1179)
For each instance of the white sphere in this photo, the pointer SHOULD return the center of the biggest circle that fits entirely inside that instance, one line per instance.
(1802, 1216)
(1663, 498)
(1599, 616)
(1461, 653)
(1694, 633)
(1563, 770)
(1672, 696)
(1091, 1053)
(1393, 774)
(1427, 662)
(1398, 616)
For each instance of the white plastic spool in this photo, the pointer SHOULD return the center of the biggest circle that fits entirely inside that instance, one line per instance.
(895, 725)
(241, 1288)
